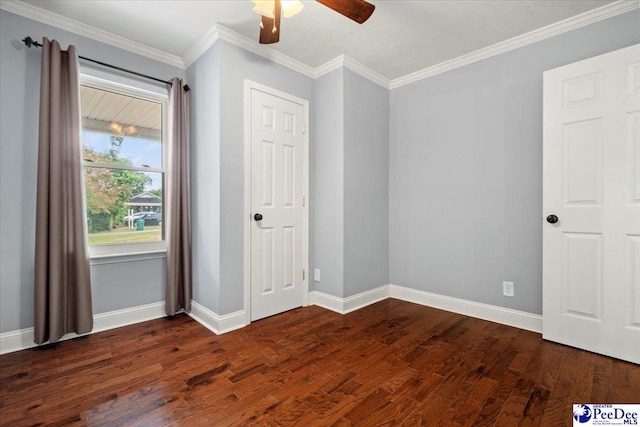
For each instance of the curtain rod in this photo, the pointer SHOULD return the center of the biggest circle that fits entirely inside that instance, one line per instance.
(29, 42)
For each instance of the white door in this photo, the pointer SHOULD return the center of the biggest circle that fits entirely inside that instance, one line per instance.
(277, 153)
(591, 255)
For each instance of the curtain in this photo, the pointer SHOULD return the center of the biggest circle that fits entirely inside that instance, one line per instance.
(178, 206)
(62, 286)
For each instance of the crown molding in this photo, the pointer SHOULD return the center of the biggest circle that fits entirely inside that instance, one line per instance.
(76, 27)
(366, 72)
(201, 47)
(329, 66)
(349, 63)
(608, 11)
(220, 32)
(342, 61)
(246, 43)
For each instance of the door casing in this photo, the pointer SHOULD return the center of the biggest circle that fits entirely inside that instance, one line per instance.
(248, 86)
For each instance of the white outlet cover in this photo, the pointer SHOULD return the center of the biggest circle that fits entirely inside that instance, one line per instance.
(508, 289)
(316, 274)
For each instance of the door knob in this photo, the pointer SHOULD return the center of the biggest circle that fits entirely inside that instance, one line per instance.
(552, 219)
(257, 217)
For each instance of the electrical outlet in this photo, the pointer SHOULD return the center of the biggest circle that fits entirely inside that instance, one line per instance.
(507, 289)
(316, 274)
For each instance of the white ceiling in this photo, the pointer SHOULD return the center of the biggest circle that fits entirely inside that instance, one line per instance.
(401, 37)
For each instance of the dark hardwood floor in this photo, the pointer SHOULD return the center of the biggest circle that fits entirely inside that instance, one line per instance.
(392, 363)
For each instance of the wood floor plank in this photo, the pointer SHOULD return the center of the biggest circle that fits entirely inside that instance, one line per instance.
(392, 363)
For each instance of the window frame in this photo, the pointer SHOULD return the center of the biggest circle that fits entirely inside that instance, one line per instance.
(123, 249)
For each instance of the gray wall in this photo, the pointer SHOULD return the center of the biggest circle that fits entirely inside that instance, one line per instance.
(349, 198)
(327, 185)
(465, 172)
(204, 80)
(220, 73)
(366, 184)
(114, 286)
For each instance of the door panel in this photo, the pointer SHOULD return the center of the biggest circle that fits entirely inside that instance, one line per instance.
(276, 194)
(266, 260)
(582, 163)
(267, 169)
(633, 121)
(582, 279)
(633, 255)
(582, 90)
(590, 182)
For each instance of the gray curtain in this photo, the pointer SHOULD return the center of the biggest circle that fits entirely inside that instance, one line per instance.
(62, 285)
(178, 206)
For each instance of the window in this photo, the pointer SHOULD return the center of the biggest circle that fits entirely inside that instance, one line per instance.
(123, 167)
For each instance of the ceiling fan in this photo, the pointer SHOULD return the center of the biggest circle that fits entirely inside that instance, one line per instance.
(272, 10)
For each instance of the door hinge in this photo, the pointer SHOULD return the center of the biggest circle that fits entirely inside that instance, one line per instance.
(304, 128)
(304, 201)
(303, 275)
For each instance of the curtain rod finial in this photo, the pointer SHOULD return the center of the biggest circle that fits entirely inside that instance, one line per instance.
(186, 88)
(28, 41)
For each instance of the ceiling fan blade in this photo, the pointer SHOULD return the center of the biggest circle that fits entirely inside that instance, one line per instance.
(270, 28)
(358, 10)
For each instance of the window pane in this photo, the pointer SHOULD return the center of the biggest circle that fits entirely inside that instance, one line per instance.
(120, 128)
(105, 148)
(123, 206)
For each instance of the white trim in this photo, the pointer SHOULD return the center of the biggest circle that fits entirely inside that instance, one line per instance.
(493, 313)
(246, 259)
(130, 257)
(306, 242)
(129, 89)
(329, 66)
(367, 73)
(201, 47)
(248, 86)
(607, 11)
(327, 301)
(218, 324)
(219, 32)
(50, 18)
(16, 340)
(506, 316)
(23, 338)
(261, 50)
(348, 304)
(128, 316)
(162, 98)
(349, 63)
(140, 251)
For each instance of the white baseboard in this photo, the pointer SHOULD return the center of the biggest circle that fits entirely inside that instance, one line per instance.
(127, 316)
(506, 316)
(216, 323)
(22, 339)
(348, 304)
(16, 340)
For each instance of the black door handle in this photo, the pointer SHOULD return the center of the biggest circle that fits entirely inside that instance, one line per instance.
(257, 217)
(552, 219)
